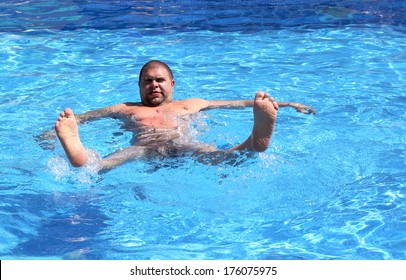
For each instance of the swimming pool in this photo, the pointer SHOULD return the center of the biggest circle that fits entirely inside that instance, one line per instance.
(331, 186)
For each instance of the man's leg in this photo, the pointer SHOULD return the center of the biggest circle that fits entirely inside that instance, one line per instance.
(265, 113)
(121, 156)
(68, 133)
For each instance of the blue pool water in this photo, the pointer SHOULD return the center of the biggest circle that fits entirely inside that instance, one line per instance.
(331, 186)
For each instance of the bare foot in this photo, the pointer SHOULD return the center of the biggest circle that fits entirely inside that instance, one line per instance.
(265, 113)
(68, 133)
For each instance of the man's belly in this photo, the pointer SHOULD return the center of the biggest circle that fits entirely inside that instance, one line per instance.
(154, 137)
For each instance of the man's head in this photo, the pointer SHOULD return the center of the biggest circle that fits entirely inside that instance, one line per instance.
(156, 83)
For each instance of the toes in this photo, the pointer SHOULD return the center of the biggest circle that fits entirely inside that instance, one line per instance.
(61, 118)
(260, 95)
(57, 124)
(265, 96)
(68, 113)
(275, 105)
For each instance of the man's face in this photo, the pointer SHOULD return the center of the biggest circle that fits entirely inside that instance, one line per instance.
(156, 86)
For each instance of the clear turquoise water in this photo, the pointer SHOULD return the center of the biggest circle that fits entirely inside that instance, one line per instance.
(331, 186)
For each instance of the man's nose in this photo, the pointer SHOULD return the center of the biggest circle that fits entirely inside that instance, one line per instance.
(155, 83)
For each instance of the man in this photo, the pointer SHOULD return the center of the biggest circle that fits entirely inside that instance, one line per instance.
(157, 122)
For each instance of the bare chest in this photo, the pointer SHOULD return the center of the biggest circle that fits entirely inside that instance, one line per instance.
(159, 117)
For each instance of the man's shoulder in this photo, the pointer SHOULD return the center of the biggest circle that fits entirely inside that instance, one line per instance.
(127, 108)
(194, 104)
(130, 104)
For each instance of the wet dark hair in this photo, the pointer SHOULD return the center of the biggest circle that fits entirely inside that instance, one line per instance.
(154, 63)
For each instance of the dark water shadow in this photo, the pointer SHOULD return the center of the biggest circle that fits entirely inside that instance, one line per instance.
(71, 231)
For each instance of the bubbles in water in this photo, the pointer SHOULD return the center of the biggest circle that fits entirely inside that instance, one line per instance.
(191, 129)
(59, 167)
(62, 170)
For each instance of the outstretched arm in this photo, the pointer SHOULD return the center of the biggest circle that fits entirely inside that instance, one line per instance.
(46, 139)
(298, 107)
(250, 103)
(108, 112)
(93, 115)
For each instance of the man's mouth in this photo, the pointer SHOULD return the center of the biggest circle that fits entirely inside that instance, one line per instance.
(155, 94)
